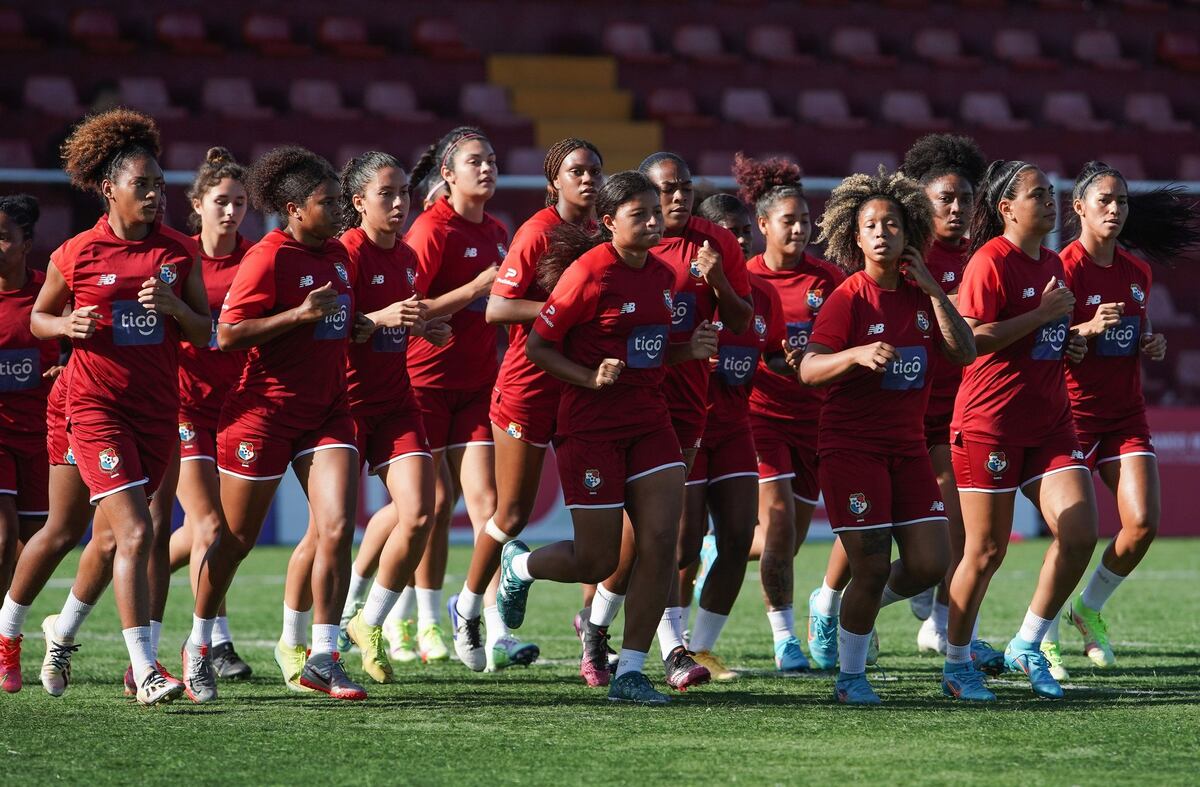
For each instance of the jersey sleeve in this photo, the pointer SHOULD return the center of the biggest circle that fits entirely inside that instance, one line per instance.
(428, 242)
(60, 258)
(733, 262)
(835, 322)
(981, 295)
(252, 294)
(574, 300)
(519, 269)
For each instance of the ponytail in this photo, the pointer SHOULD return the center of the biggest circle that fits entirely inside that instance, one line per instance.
(999, 183)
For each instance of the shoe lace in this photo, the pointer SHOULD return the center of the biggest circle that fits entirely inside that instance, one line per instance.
(200, 670)
(1100, 629)
(471, 629)
(154, 681)
(60, 656)
(1037, 660)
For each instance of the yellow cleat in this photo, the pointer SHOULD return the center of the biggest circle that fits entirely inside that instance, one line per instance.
(374, 653)
(715, 666)
(402, 641)
(290, 659)
(431, 644)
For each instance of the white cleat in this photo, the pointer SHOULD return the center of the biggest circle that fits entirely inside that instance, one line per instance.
(56, 666)
(930, 639)
(155, 689)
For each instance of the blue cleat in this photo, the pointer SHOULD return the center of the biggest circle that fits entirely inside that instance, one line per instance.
(854, 690)
(513, 591)
(708, 556)
(964, 682)
(634, 687)
(987, 659)
(1021, 656)
(822, 636)
(789, 657)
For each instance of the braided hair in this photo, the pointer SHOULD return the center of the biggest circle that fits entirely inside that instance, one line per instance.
(355, 176)
(286, 174)
(999, 183)
(936, 155)
(428, 168)
(555, 157)
(102, 144)
(763, 183)
(218, 164)
(839, 222)
(23, 210)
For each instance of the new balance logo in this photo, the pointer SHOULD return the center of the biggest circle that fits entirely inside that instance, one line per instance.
(937, 507)
(306, 281)
(1092, 300)
(1028, 292)
(470, 253)
(107, 279)
(875, 328)
(948, 276)
(628, 308)
(377, 278)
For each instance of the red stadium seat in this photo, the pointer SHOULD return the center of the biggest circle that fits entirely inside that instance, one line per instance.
(184, 33)
(1072, 109)
(441, 39)
(702, 43)
(677, 106)
(148, 94)
(910, 109)
(1154, 111)
(776, 44)
(827, 109)
(1180, 50)
(185, 155)
(1102, 49)
(1128, 164)
(1021, 49)
(14, 34)
(271, 35)
(524, 161)
(631, 41)
(346, 36)
(16, 153)
(53, 95)
(320, 98)
(54, 224)
(869, 161)
(487, 103)
(750, 106)
(97, 31)
(990, 110)
(942, 46)
(860, 46)
(1162, 306)
(395, 101)
(1189, 166)
(715, 163)
(232, 97)
(1050, 163)
(1187, 370)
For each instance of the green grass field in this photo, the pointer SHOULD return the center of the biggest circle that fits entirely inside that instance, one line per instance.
(445, 725)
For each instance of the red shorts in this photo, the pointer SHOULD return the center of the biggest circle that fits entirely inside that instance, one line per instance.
(688, 430)
(787, 455)
(594, 473)
(25, 473)
(724, 456)
(388, 437)
(195, 441)
(255, 448)
(58, 446)
(529, 416)
(114, 455)
(454, 418)
(997, 467)
(1110, 446)
(868, 491)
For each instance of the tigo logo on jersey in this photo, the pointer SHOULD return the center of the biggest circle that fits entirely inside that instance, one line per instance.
(646, 347)
(168, 273)
(110, 460)
(245, 452)
(815, 298)
(514, 430)
(907, 371)
(337, 324)
(797, 335)
(683, 311)
(306, 281)
(1028, 292)
(377, 278)
(341, 272)
(1137, 292)
(922, 320)
(1049, 340)
(735, 365)
(875, 329)
(107, 279)
(1119, 340)
(997, 463)
(470, 253)
(592, 479)
(1092, 300)
(760, 325)
(390, 340)
(20, 370)
(859, 504)
(187, 433)
(133, 324)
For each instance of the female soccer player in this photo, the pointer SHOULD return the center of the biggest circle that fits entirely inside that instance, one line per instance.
(1012, 425)
(126, 276)
(1112, 288)
(291, 306)
(610, 312)
(525, 399)
(871, 344)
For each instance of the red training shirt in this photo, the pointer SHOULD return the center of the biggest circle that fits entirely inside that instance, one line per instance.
(23, 359)
(946, 262)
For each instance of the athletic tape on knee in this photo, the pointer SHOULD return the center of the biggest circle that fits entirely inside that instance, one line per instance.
(498, 535)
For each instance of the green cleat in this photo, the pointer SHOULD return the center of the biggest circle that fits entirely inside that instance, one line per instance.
(511, 652)
(1054, 657)
(513, 592)
(369, 640)
(402, 640)
(1095, 634)
(290, 659)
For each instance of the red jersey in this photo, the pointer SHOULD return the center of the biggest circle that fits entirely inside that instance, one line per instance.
(131, 363)
(865, 410)
(695, 301)
(377, 375)
(206, 374)
(452, 251)
(300, 375)
(738, 357)
(802, 290)
(946, 262)
(518, 279)
(602, 308)
(23, 359)
(1017, 395)
(1106, 387)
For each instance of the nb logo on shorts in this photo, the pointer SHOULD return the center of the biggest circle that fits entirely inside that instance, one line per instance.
(948, 277)
(937, 507)
(1077, 454)
(592, 479)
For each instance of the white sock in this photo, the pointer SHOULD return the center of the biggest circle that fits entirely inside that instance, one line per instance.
(137, 642)
(941, 616)
(324, 637)
(12, 617)
(605, 607)
(958, 654)
(70, 620)
(406, 606)
(202, 631)
(494, 625)
(1052, 632)
(379, 602)
(295, 627)
(469, 604)
(669, 635)
(520, 566)
(707, 630)
(828, 601)
(221, 633)
(630, 661)
(1100, 587)
(429, 602)
(359, 585)
(783, 623)
(155, 636)
(890, 597)
(852, 651)
(1034, 628)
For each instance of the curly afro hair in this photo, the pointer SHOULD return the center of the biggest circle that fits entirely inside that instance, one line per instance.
(23, 210)
(101, 144)
(839, 222)
(287, 174)
(763, 183)
(936, 155)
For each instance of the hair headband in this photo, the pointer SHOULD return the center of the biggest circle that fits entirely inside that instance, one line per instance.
(454, 145)
(1009, 181)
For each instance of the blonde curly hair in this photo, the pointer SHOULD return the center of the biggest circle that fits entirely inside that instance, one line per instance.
(839, 221)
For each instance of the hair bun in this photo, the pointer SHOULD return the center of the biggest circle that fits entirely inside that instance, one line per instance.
(218, 155)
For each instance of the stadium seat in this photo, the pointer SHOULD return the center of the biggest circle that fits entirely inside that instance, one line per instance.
(487, 103)
(776, 44)
(1187, 370)
(859, 46)
(702, 43)
(1163, 311)
(271, 35)
(16, 153)
(232, 97)
(714, 163)
(631, 42)
(441, 39)
(750, 106)
(14, 34)
(148, 94)
(185, 155)
(1189, 166)
(989, 109)
(53, 95)
(524, 161)
(320, 98)
(869, 161)
(943, 46)
(1050, 163)
(1102, 49)
(910, 109)
(346, 36)
(677, 106)
(1154, 112)
(394, 101)
(1021, 49)
(1072, 109)
(184, 33)
(1128, 164)
(827, 109)
(1181, 50)
(97, 31)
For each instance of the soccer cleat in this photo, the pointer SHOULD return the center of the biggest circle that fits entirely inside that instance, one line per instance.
(155, 689)
(431, 644)
(987, 659)
(402, 640)
(1021, 656)
(930, 639)
(682, 671)
(228, 664)
(708, 556)
(131, 686)
(716, 668)
(873, 648)
(922, 603)
(964, 682)
(324, 672)
(468, 643)
(56, 666)
(1054, 658)
(854, 690)
(508, 651)
(199, 678)
(290, 659)
(1095, 633)
(594, 662)
(635, 687)
(374, 653)
(510, 598)
(343, 641)
(822, 636)
(789, 657)
(10, 664)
